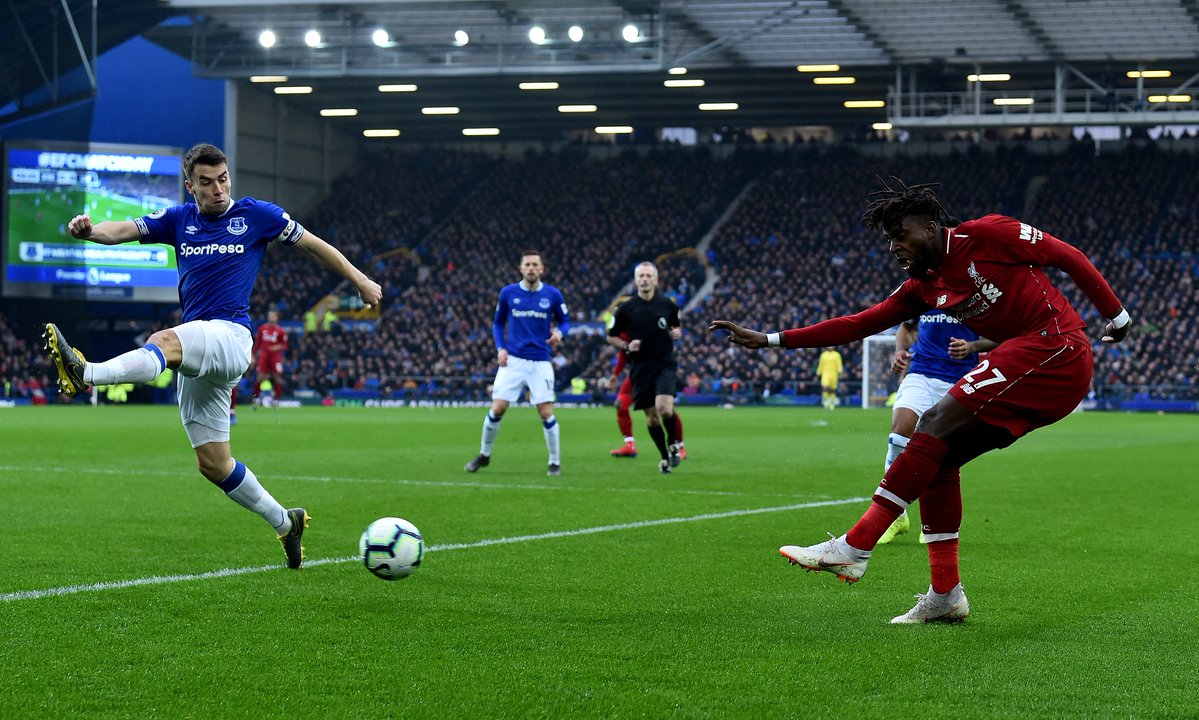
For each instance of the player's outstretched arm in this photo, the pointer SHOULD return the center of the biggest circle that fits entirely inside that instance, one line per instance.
(109, 232)
(329, 256)
(738, 335)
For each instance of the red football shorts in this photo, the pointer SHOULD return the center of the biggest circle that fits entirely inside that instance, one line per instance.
(1028, 382)
(270, 364)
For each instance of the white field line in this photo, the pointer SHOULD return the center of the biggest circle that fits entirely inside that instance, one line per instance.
(401, 481)
(232, 572)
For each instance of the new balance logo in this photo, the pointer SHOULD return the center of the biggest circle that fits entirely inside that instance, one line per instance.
(942, 299)
(1030, 233)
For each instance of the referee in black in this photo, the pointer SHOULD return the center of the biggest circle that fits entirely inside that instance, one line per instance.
(651, 322)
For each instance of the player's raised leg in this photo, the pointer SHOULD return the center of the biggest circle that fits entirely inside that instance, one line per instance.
(835, 555)
(76, 374)
(68, 361)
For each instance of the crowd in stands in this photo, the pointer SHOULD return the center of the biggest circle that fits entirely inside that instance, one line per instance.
(23, 371)
(388, 205)
(1133, 214)
(443, 232)
(795, 253)
(592, 218)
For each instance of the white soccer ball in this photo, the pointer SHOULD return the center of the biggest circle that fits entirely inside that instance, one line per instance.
(391, 548)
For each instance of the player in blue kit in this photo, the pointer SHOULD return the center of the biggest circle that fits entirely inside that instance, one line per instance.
(535, 318)
(219, 243)
(936, 351)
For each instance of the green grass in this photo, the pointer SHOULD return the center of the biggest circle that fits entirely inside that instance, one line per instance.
(1078, 553)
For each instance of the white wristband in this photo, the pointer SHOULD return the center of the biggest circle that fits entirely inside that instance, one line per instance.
(1121, 320)
(774, 339)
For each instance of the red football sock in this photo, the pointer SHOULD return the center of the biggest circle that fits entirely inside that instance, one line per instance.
(278, 391)
(941, 506)
(916, 467)
(909, 476)
(865, 533)
(943, 565)
(678, 427)
(623, 418)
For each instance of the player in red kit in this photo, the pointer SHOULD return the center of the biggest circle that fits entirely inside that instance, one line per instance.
(270, 343)
(986, 273)
(624, 419)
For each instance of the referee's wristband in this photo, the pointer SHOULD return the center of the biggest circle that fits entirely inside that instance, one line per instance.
(1121, 320)
(774, 339)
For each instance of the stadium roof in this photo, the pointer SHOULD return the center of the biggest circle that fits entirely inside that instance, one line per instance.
(745, 52)
(41, 40)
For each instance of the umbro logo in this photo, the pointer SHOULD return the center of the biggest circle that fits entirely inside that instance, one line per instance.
(191, 230)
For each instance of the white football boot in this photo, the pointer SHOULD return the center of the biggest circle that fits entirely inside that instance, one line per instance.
(934, 607)
(835, 556)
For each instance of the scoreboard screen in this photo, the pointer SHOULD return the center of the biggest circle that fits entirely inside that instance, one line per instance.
(46, 184)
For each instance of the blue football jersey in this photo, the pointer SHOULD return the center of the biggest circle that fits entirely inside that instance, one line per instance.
(527, 315)
(930, 354)
(219, 255)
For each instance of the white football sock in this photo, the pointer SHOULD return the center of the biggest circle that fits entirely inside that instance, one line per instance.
(895, 445)
(250, 494)
(491, 428)
(136, 366)
(550, 425)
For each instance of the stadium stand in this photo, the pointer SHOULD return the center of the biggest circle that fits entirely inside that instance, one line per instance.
(443, 231)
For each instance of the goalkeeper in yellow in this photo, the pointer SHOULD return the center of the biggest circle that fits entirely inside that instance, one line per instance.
(829, 370)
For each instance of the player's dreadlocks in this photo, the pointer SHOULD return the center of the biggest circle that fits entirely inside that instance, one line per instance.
(889, 206)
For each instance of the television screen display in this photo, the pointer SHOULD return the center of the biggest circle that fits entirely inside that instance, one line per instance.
(46, 184)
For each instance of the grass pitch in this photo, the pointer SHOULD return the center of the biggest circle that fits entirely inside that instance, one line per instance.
(131, 588)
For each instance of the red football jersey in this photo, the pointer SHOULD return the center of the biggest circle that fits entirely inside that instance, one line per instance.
(990, 279)
(271, 339)
(622, 357)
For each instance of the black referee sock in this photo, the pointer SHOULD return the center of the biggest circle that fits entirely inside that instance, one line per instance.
(659, 435)
(669, 424)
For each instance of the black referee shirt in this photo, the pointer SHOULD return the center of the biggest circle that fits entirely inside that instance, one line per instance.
(650, 322)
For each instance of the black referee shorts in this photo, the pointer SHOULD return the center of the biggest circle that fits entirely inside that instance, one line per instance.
(651, 378)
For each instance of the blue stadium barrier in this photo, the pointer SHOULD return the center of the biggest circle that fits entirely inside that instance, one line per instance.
(1160, 405)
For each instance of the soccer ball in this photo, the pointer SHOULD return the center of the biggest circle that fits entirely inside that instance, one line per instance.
(391, 548)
